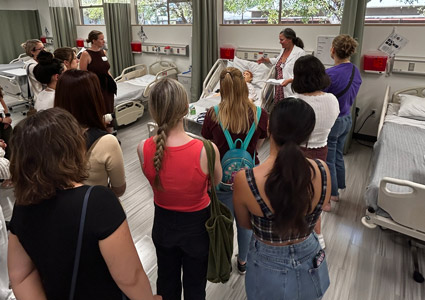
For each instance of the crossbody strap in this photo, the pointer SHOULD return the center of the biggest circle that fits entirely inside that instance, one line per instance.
(245, 143)
(79, 244)
(348, 85)
(209, 149)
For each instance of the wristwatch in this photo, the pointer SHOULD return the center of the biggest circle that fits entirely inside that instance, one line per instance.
(7, 115)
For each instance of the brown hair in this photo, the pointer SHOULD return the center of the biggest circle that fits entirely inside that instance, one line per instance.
(93, 35)
(64, 54)
(79, 93)
(1, 92)
(168, 104)
(344, 46)
(290, 34)
(48, 153)
(30, 46)
(234, 102)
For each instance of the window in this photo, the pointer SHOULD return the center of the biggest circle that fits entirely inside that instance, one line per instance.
(164, 12)
(282, 11)
(395, 11)
(92, 12)
(319, 11)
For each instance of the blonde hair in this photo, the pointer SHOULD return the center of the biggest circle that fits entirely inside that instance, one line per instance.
(168, 104)
(235, 109)
(344, 45)
(29, 46)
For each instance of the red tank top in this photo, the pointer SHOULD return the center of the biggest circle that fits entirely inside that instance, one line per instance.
(184, 182)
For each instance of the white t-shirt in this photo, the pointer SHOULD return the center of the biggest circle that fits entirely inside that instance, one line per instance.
(326, 108)
(45, 99)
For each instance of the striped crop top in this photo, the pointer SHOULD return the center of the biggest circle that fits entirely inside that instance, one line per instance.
(263, 226)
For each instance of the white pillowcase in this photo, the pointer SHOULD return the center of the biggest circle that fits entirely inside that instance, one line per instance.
(412, 107)
(259, 72)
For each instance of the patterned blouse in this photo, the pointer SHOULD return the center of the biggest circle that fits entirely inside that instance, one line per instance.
(263, 226)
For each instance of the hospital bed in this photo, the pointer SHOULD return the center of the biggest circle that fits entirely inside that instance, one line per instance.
(210, 97)
(395, 196)
(13, 80)
(133, 87)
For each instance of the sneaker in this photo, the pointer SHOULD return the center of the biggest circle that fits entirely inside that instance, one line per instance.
(241, 268)
(321, 241)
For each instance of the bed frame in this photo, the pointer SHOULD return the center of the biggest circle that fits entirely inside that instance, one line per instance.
(129, 111)
(410, 222)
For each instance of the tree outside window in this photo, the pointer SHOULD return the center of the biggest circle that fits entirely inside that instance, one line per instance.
(92, 12)
(164, 12)
(318, 11)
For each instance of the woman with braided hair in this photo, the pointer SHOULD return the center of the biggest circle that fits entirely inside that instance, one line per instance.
(176, 166)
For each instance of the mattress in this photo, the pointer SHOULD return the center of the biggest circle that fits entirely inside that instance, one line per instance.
(399, 153)
(17, 65)
(392, 116)
(132, 89)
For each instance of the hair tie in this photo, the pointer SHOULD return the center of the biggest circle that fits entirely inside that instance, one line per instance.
(228, 72)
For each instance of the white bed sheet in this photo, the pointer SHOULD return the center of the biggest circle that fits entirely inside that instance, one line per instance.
(392, 116)
(132, 90)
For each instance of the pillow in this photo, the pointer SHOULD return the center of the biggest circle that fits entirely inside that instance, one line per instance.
(412, 107)
(259, 72)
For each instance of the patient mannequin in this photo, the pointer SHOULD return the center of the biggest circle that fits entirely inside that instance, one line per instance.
(252, 95)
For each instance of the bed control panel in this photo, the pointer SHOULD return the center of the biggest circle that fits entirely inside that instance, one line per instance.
(165, 49)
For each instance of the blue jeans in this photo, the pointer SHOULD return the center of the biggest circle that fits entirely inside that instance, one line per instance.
(285, 272)
(335, 159)
(244, 235)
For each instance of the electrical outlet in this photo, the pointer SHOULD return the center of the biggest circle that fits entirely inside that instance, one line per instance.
(373, 113)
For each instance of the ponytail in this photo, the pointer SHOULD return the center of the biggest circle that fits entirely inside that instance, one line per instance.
(298, 42)
(290, 189)
(289, 186)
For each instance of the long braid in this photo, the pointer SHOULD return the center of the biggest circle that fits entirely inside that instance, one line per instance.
(160, 142)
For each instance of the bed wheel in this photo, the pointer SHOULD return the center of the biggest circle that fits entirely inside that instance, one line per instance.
(365, 222)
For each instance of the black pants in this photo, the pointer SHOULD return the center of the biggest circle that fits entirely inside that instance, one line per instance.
(181, 241)
(5, 134)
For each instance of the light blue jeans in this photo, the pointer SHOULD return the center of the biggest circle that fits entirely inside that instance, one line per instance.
(285, 272)
(244, 235)
(335, 158)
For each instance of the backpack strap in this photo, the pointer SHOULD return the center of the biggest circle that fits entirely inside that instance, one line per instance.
(245, 143)
(252, 130)
(225, 131)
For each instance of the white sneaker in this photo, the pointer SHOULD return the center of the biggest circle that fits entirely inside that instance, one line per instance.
(321, 240)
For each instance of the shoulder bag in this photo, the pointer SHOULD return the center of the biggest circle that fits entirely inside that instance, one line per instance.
(220, 229)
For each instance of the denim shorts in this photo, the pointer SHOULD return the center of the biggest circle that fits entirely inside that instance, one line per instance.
(285, 272)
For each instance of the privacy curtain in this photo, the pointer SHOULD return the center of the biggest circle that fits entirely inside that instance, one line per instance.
(17, 26)
(204, 42)
(118, 32)
(353, 24)
(63, 24)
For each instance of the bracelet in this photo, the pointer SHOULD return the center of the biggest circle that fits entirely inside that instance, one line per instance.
(7, 115)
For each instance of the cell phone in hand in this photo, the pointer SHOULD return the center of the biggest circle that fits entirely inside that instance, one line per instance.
(319, 258)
